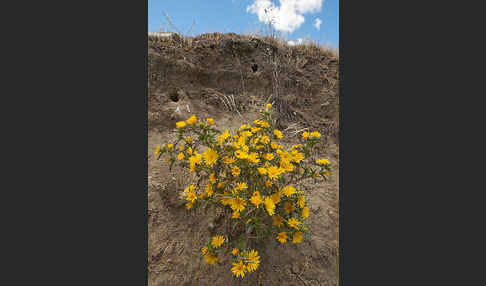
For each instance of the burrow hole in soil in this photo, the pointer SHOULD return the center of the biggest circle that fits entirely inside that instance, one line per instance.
(174, 97)
(254, 67)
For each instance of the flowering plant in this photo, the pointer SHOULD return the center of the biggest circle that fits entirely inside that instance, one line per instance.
(251, 175)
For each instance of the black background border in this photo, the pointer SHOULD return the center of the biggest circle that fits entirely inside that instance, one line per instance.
(77, 142)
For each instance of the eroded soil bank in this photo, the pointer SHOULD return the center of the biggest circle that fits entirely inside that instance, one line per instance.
(228, 77)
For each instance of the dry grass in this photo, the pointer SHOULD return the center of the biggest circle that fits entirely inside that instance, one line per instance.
(265, 33)
(308, 47)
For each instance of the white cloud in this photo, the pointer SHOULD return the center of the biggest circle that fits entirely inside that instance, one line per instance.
(317, 23)
(293, 43)
(288, 16)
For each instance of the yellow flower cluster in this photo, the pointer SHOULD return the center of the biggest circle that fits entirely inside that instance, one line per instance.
(311, 135)
(254, 175)
(251, 258)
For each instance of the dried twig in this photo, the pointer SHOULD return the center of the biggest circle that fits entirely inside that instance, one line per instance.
(305, 283)
(170, 22)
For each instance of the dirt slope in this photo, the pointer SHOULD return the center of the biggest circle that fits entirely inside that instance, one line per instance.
(227, 77)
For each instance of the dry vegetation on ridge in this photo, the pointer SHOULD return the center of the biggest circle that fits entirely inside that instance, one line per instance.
(227, 77)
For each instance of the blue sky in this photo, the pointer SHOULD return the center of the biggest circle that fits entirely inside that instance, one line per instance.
(295, 19)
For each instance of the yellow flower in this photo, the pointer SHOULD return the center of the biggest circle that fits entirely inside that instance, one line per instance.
(217, 241)
(297, 237)
(262, 171)
(248, 221)
(210, 156)
(285, 156)
(274, 145)
(270, 206)
(242, 127)
(268, 156)
(212, 179)
(273, 172)
(268, 183)
(276, 197)
(326, 172)
(277, 133)
(277, 221)
(210, 121)
(253, 157)
(295, 147)
(191, 120)
(245, 148)
(225, 199)
(315, 134)
(182, 146)
(209, 190)
(242, 141)
(229, 160)
(256, 199)
(235, 251)
(241, 186)
(191, 196)
(305, 212)
(180, 124)
(220, 185)
(189, 188)
(225, 135)
(286, 166)
(239, 269)
(180, 156)
(188, 139)
(305, 135)
(264, 124)
(269, 106)
(236, 215)
(211, 258)
(193, 160)
(189, 205)
(293, 222)
(204, 250)
(189, 151)
(235, 171)
(323, 161)
(288, 191)
(240, 154)
(265, 139)
(255, 260)
(288, 207)
(298, 157)
(238, 204)
(170, 146)
(301, 201)
(282, 237)
(157, 150)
